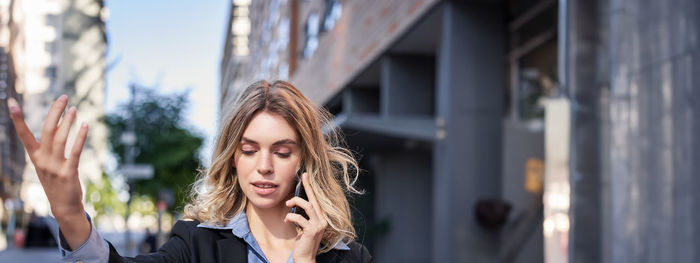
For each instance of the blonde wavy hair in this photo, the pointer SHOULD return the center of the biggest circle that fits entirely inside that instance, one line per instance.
(332, 168)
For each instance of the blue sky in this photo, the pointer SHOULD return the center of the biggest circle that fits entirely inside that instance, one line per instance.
(175, 45)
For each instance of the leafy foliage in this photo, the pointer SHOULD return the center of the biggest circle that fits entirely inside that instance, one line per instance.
(162, 141)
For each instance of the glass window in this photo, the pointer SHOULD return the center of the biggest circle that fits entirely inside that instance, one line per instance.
(311, 30)
(332, 14)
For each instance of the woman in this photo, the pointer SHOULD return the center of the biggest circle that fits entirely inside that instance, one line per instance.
(241, 206)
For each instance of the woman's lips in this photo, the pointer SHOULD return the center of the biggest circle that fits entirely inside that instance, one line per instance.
(264, 188)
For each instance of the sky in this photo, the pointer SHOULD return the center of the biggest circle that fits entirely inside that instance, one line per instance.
(174, 45)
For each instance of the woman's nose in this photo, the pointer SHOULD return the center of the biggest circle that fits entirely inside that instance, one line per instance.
(265, 163)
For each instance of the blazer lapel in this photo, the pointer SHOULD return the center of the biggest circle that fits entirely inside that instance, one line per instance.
(231, 250)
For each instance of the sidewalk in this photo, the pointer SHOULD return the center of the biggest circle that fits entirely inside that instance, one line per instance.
(30, 255)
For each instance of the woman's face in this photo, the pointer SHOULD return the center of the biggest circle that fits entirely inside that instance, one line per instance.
(267, 160)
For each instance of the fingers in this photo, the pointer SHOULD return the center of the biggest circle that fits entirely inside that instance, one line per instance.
(308, 208)
(77, 149)
(52, 118)
(297, 219)
(310, 194)
(59, 141)
(25, 135)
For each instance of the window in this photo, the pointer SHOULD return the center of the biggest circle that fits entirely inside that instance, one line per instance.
(50, 47)
(532, 59)
(50, 72)
(311, 31)
(331, 15)
(51, 19)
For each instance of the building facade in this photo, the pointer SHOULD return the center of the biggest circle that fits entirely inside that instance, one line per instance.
(48, 48)
(65, 50)
(12, 154)
(498, 131)
(632, 70)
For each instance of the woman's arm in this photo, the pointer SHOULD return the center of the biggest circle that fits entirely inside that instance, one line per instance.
(95, 249)
(177, 249)
(58, 175)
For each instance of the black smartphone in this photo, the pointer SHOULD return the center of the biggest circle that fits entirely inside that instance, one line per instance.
(301, 193)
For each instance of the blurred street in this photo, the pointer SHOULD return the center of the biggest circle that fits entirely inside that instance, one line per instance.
(52, 254)
(486, 131)
(30, 255)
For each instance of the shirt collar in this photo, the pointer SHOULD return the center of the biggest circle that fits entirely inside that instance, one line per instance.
(239, 227)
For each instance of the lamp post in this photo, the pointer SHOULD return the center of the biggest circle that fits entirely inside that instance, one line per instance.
(129, 169)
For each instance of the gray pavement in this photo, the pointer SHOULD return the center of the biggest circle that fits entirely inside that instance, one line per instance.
(52, 254)
(30, 255)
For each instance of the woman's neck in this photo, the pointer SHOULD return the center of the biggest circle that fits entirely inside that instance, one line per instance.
(268, 226)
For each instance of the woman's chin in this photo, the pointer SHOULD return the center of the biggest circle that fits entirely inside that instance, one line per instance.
(264, 202)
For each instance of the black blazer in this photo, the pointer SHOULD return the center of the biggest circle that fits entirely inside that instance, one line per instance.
(189, 243)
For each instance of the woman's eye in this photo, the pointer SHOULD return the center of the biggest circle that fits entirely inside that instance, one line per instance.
(248, 152)
(284, 155)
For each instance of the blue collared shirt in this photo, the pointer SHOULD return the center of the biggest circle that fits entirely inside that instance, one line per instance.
(95, 249)
(239, 227)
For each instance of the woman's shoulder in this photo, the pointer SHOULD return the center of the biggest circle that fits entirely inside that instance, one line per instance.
(185, 225)
(197, 235)
(184, 228)
(357, 253)
(360, 251)
(190, 229)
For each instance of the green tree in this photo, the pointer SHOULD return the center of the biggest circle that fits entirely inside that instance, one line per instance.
(163, 140)
(104, 197)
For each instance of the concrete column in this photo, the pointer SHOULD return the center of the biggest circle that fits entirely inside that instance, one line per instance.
(653, 123)
(402, 202)
(408, 83)
(467, 151)
(584, 79)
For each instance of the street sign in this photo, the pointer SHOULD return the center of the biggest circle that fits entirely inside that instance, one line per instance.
(137, 171)
(128, 138)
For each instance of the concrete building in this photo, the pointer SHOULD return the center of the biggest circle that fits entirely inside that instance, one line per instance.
(499, 131)
(65, 49)
(12, 155)
(12, 158)
(633, 76)
(270, 38)
(48, 48)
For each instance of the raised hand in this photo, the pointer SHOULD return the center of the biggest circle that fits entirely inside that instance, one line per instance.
(308, 240)
(58, 175)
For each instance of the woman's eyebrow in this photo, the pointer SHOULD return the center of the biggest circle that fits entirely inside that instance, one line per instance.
(280, 142)
(284, 141)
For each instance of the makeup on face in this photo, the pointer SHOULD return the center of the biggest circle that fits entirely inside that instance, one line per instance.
(267, 160)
